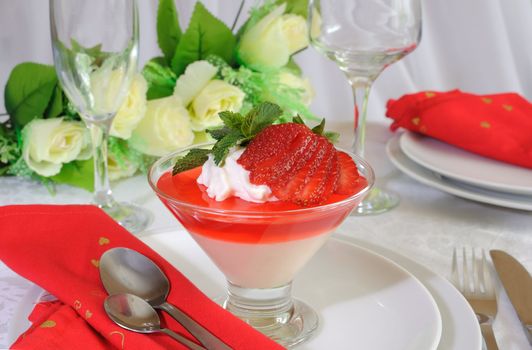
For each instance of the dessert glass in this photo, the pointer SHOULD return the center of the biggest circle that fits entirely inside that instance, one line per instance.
(260, 251)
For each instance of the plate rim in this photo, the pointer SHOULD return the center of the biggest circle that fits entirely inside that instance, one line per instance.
(429, 178)
(408, 139)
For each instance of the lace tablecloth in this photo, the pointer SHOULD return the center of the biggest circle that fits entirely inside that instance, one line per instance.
(426, 227)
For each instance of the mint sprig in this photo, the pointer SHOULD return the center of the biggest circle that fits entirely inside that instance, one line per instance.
(238, 130)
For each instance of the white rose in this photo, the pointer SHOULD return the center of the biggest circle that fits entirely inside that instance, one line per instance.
(196, 77)
(107, 90)
(48, 143)
(272, 40)
(216, 97)
(132, 110)
(164, 128)
(301, 84)
(118, 169)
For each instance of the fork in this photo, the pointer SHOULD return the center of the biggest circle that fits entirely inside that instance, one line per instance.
(474, 280)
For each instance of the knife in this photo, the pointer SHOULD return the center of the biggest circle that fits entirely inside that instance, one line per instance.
(517, 282)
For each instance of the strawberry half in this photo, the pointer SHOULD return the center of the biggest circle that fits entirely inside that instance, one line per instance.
(312, 192)
(348, 177)
(271, 169)
(271, 141)
(286, 191)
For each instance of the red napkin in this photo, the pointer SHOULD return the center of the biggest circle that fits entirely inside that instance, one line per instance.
(495, 126)
(58, 248)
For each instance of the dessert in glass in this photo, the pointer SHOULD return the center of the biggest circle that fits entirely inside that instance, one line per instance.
(258, 240)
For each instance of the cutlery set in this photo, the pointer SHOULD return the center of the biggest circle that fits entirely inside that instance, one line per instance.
(474, 280)
(137, 287)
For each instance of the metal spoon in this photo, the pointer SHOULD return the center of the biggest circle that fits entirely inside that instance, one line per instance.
(133, 313)
(123, 270)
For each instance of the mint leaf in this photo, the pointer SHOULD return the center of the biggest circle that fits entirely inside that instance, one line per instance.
(260, 117)
(206, 35)
(194, 158)
(55, 108)
(232, 120)
(79, 173)
(221, 148)
(219, 133)
(168, 31)
(28, 91)
(318, 129)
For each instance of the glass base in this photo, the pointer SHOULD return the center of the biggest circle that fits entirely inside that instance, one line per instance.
(273, 312)
(133, 218)
(376, 202)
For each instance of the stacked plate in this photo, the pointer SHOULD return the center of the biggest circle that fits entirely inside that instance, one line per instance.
(461, 173)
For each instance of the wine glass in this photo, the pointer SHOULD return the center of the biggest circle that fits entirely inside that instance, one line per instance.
(95, 48)
(363, 37)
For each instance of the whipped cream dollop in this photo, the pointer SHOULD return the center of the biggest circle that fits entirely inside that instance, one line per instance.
(232, 180)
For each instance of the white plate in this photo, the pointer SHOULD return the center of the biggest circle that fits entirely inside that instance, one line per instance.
(428, 177)
(465, 166)
(364, 300)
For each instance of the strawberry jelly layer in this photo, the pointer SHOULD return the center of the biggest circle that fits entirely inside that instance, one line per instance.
(273, 225)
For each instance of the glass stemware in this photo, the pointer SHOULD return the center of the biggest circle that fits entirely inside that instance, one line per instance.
(259, 248)
(95, 48)
(363, 37)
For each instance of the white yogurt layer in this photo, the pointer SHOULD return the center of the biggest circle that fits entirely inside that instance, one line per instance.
(260, 265)
(232, 180)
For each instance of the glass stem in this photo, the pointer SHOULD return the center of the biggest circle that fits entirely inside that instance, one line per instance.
(103, 196)
(361, 87)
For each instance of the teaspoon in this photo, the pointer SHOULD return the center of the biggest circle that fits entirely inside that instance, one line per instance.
(134, 314)
(124, 270)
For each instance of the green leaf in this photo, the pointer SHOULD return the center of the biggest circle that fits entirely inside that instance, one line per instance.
(260, 117)
(318, 129)
(154, 92)
(160, 78)
(297, 7)
(293, 67)
(298, 120)
(219, 133)
(221, 148)
(55, 108)
(79, 173)
(232, 120)
(168, 30)
(206, 35)
(332, 136)
(194, 158)
(28, 91)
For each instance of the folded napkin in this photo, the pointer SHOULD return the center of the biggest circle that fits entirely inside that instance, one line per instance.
(495, 126)
(58, 248)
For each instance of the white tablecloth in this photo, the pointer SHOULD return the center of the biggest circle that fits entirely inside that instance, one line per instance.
(425, 227)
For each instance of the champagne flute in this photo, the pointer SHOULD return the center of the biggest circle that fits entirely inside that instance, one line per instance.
(95, 48)
(363, 37)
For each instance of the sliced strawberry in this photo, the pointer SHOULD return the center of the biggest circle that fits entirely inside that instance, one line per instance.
(312, 192)
(288, 191)
(270, 142)
(295, 160)
(269, 170)
(348, 179)
(332, 180)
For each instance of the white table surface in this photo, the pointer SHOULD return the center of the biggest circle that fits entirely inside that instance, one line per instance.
(425, 227)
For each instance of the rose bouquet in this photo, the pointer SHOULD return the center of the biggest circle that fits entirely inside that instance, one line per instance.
(203, 70)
